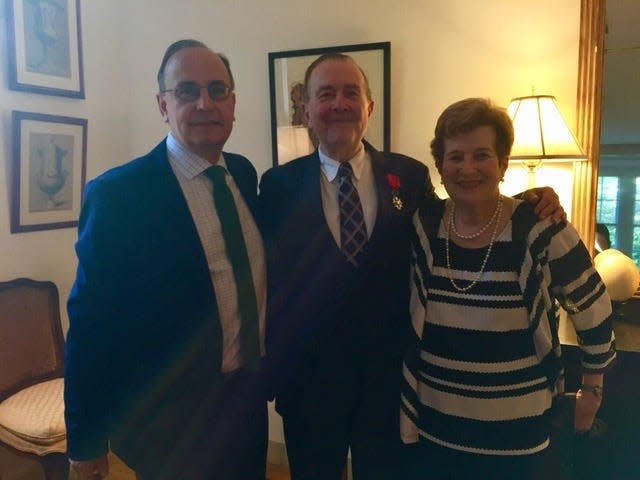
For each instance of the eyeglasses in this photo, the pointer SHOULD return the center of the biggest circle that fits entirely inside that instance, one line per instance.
(186, 92)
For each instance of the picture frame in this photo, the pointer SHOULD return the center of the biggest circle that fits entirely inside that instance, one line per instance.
(45, 47)
(289, 136)
(48, 171)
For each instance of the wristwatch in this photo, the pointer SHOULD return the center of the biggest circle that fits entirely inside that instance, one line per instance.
(595, 389)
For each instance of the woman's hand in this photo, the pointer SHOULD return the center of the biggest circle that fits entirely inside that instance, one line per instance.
(587, 404)
(547, 203)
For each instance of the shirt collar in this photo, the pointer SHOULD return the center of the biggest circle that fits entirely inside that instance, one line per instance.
(330, 166)
(186, 162)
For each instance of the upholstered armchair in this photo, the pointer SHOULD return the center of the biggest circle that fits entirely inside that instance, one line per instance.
(31, 384)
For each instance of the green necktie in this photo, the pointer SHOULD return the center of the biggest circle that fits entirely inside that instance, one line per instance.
(237, 253)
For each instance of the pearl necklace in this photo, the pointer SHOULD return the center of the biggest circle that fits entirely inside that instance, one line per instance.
(479, 232)
(486, 256)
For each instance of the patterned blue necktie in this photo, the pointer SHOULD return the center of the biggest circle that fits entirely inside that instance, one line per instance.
(353, 231)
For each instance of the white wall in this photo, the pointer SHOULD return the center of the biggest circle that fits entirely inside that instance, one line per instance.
(441, 51)
(49, 254)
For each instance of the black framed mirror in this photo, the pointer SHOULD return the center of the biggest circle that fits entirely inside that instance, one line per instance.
(618, 187)
(289, 135)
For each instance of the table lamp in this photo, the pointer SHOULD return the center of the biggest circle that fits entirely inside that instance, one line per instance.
(619, 274)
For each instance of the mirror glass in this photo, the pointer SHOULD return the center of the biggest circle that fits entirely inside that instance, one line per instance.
(618, 191)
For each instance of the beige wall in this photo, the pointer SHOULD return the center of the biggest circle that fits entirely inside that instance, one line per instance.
(441, 51)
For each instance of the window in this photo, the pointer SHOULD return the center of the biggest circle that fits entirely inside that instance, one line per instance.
(618, 207)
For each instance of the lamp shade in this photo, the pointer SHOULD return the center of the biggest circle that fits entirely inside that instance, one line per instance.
(541, 132)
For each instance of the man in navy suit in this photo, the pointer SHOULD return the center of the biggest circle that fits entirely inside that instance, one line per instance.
(155, 359)
(337, 322)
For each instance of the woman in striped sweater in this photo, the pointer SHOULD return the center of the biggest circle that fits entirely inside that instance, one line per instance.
(484, 364)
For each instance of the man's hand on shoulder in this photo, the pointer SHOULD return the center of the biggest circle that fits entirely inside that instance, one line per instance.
(547, 203)
(94, 469)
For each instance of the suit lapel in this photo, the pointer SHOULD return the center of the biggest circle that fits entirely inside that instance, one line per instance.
(311, 191)
(311, 185)
(165, 183)
(386, 211)
(173, 209)
(243, 179)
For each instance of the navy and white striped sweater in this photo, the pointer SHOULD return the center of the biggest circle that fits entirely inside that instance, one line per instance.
(484, 364)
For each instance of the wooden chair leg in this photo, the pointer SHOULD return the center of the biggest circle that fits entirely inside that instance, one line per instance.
(55, 466)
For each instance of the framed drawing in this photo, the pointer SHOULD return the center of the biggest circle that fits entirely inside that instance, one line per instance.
(289, 135)
(48, 171)
(45, 48)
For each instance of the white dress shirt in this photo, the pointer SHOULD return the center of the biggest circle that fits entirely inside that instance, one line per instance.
(363, 181)
(198, 192)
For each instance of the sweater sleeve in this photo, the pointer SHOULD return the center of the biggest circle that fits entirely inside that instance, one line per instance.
(576, 284)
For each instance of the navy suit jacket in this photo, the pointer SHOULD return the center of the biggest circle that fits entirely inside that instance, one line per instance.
(322, 312)
(144, 343)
